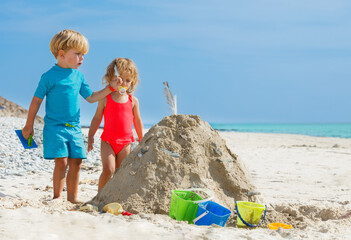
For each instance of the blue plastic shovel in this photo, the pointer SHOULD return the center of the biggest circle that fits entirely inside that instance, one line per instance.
(27, 144)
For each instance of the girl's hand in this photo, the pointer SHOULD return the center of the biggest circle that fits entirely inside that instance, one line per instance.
(115, 82)
(90, 143)
(26, 131)
(119, 81)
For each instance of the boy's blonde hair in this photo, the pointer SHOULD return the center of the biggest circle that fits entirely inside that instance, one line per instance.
(68, 39)
(119, 66)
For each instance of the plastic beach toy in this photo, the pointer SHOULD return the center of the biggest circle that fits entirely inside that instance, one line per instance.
(184, 203)
(114, 208)
(122, 90)
(88, 208)
(27, 144)
(275, 226)
(210, 213)
(249, 213)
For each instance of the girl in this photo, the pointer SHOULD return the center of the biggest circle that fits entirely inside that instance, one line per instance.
(120, 111)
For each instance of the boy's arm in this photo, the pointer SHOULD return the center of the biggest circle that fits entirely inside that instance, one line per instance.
(138, 123)
(97, 96)
(32, 112)
(95, 123)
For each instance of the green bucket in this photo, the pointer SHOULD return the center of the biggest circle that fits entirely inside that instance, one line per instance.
(249, 213)
(184, 204)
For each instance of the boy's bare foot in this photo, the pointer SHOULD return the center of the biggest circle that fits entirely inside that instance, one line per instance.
(76, 202)
(49, 200)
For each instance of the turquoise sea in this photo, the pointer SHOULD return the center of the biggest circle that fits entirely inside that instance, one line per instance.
(342, 130)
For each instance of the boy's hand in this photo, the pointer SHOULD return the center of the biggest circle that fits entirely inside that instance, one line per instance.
(115, 82)
(26, 131)
(90, 143)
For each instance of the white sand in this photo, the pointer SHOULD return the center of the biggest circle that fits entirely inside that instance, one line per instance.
(306, 178)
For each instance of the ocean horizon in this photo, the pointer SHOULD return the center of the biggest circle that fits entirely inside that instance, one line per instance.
(340, 130)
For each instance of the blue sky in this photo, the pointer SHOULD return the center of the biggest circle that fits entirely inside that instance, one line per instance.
(227, 61)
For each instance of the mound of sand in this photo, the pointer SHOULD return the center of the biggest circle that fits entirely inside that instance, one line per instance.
(180, 152)
(11, 109)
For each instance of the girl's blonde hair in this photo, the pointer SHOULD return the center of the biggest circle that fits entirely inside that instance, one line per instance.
(119, 66)
(68, 39)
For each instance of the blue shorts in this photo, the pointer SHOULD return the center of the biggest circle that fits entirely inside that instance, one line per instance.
(62, 141)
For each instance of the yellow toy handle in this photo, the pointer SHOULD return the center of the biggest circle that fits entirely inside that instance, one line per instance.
(30, 140)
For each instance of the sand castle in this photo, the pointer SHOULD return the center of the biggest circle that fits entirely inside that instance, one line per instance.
(180, 152)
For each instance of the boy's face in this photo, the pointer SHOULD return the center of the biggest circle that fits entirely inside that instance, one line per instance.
(70, 59)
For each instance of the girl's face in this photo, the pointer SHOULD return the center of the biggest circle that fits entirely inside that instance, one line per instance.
(124, 80)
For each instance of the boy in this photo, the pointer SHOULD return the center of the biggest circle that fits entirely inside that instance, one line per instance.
(62, 135)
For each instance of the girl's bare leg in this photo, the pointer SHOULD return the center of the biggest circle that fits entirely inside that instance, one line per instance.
(122, 155)
(108, 159)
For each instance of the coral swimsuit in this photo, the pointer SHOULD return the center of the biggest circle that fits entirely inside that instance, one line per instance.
(118, 123)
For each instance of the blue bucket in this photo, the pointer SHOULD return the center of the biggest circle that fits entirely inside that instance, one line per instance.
(210, 213)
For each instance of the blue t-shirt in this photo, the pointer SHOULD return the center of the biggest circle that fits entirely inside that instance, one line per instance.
(62, 87)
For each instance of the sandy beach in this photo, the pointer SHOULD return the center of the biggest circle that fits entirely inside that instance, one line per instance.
(307, 179)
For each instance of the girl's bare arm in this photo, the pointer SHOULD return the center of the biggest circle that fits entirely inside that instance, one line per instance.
(138, 123)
